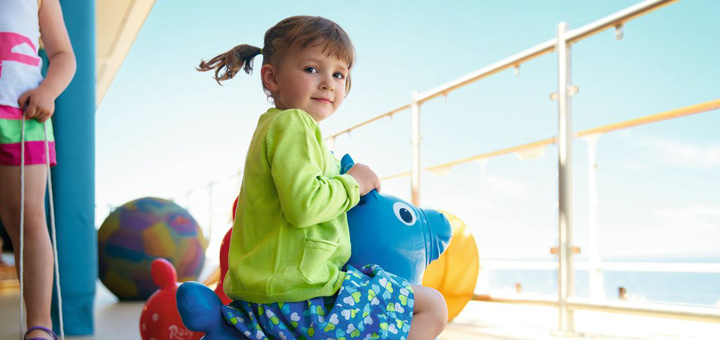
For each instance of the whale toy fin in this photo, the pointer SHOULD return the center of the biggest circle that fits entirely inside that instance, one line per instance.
(346, 163)
(201, 311)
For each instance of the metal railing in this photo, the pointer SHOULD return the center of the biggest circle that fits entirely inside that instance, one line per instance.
(561, 44)
(629, 307)
(565, 301)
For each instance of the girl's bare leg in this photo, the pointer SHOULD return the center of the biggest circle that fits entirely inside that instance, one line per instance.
(429, 314)
(38, 259)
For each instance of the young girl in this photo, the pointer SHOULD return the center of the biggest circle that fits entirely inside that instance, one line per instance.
(24, 94)
(290, 240)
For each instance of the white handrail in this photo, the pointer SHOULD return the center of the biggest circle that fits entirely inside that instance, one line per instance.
(561, 44)
(655, 267)
(565, 300)
(616, 20)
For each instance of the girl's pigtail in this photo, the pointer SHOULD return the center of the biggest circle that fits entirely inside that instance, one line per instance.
(241, 56)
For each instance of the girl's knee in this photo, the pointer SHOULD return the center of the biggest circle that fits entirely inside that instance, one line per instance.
(33, 209)
(432, 303)
(9, 210)
(35, 217)
(439, 308)
(35, 224)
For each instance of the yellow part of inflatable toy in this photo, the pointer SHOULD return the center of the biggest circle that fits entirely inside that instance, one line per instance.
(455, 273)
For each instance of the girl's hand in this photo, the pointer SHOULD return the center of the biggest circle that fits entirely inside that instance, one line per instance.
(366, 178)
(38, 103)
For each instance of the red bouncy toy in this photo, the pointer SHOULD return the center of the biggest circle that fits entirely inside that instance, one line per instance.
(160, 318)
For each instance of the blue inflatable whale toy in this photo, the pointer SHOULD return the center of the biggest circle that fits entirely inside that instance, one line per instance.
(393, 233)
(384, 230)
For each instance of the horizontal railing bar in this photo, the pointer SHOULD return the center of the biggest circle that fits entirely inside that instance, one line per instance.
(526, 300)
(491, 154)
(512, 61)
(615, 19)
(517, 59)
(546, 47)
(674, 267)
(401, 174)
(647, 309)
(662, 267)
(654, 118)
(386, 114)
(515, 264)
(496, 153)
(658, 117)
(626, 307)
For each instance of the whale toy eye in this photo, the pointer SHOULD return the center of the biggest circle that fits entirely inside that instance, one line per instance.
(404, 213)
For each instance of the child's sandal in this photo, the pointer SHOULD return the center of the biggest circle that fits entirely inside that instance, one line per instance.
(40, 328)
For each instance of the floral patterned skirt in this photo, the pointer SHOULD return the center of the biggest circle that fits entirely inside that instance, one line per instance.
(371, 304)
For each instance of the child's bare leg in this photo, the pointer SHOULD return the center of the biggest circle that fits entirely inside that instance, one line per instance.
(429, 314)
(38, 260)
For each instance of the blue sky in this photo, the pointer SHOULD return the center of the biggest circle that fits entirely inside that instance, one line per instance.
(164, 128)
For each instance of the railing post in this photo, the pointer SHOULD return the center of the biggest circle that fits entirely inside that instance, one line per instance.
(415, 170)
(565, 136)
(211, 184)
(331, 143)
(595, 272)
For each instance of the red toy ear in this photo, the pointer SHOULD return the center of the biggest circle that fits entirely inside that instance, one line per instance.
(224, 250)
(235, 207)
(160, 318)
(163, 273)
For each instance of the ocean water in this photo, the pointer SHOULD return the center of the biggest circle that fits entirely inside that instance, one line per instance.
(699, 289)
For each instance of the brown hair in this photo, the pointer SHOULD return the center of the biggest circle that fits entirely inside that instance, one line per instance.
(298, 30)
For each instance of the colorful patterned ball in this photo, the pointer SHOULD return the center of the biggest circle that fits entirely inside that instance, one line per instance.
(135, 234)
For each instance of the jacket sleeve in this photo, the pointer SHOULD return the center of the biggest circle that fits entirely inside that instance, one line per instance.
(296, 159)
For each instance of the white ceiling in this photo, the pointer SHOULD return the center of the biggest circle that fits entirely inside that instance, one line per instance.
(118, 23)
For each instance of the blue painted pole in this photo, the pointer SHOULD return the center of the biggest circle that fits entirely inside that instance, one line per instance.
(74, 176)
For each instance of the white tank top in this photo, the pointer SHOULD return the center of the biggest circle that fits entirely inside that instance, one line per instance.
(20, 66)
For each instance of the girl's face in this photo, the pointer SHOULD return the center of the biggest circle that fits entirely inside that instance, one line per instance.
(310, 80)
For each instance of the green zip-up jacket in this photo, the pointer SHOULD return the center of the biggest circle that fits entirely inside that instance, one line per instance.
(290, 237)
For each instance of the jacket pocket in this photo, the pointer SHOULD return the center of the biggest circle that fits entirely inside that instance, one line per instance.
(315, 264)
